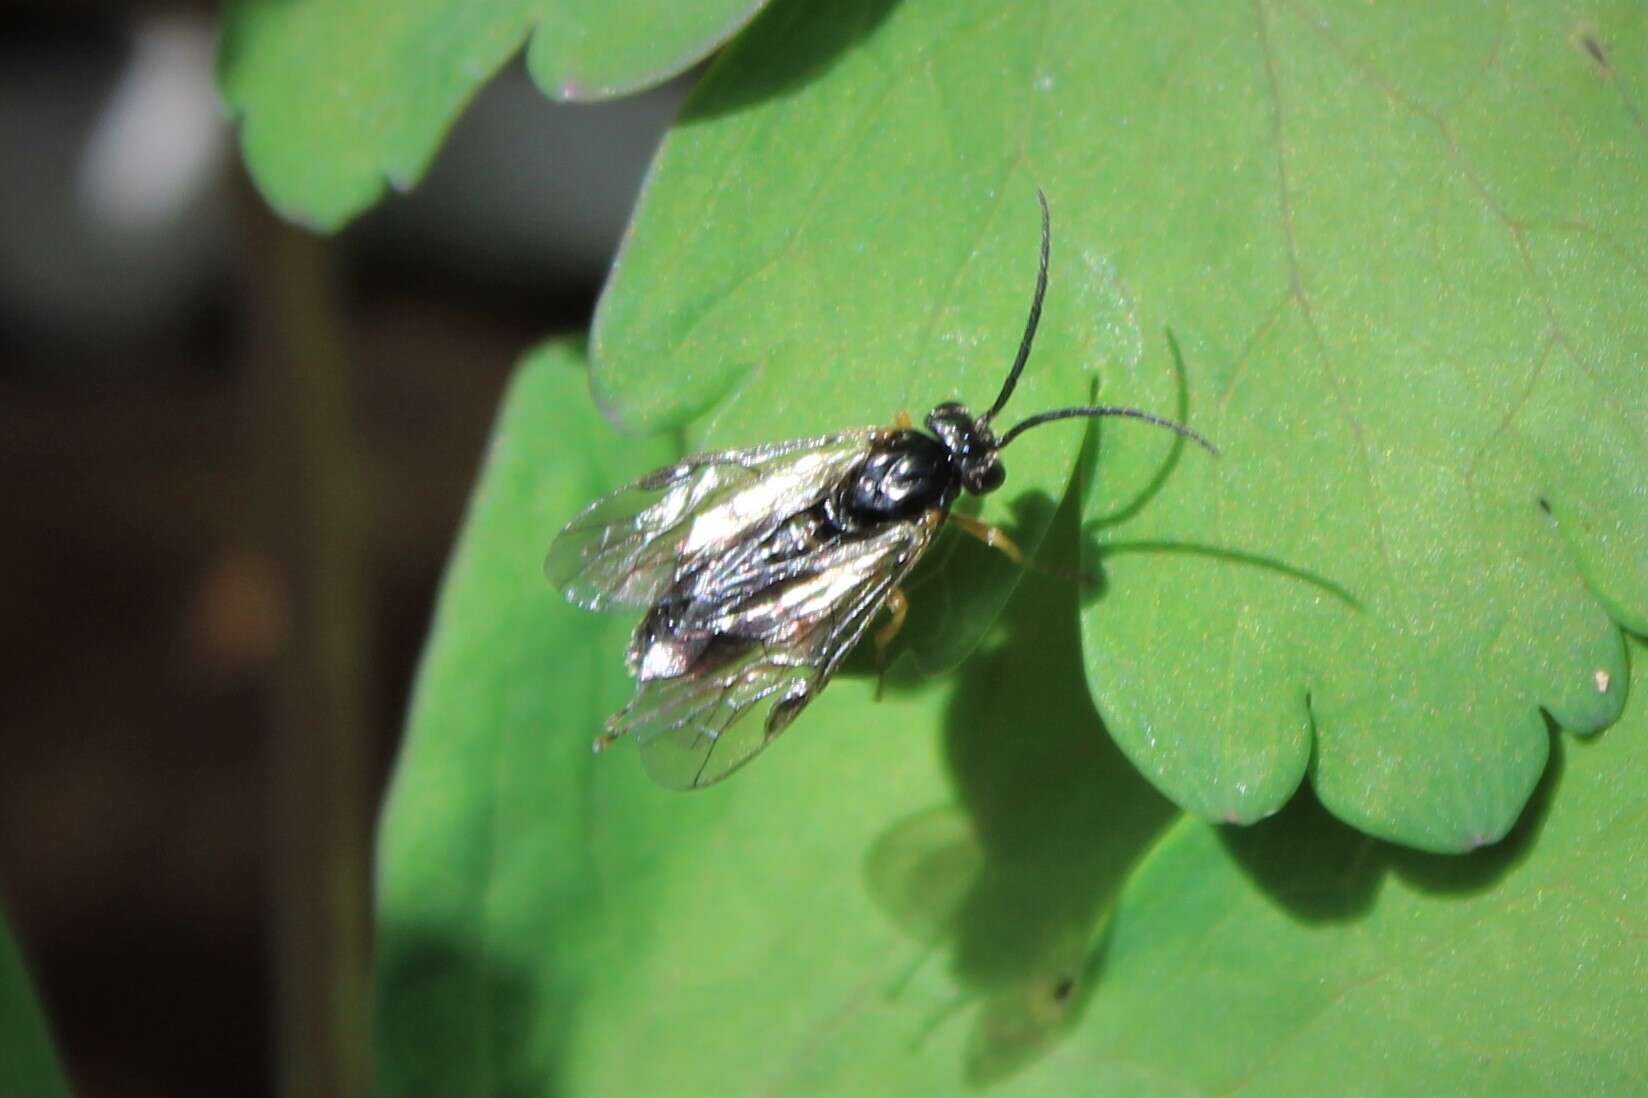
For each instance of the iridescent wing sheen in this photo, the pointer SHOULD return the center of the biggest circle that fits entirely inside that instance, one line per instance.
(781, 644)
(627, 548)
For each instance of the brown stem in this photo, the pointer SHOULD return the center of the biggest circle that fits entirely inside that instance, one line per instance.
(311, 480)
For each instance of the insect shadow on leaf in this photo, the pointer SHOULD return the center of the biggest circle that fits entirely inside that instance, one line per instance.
(1015, 881)
(443, 996)
(1128, 508)
(1230, 556)
(953, 572)
(1096, 549)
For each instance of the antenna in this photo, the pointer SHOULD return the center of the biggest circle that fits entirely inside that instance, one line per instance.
(1035, 316)
(1096, 411)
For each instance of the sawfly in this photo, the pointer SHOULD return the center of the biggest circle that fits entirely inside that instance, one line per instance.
(760, 569)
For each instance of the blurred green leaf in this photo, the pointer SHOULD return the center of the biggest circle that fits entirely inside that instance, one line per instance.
(1387, 256)
(965, 884)
(336, 97)
(28, 1065)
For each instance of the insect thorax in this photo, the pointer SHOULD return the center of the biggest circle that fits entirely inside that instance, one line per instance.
(903, 476)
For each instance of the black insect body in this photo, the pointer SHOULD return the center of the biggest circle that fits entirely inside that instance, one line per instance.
(760, 569)
(900, 478)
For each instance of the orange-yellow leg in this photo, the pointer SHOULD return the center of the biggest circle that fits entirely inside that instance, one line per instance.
(1008, 548)
(903, 421)
(898, 608)
(610, 736)
(990, 536)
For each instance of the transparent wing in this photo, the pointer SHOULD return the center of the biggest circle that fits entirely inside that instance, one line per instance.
(626, 548)
(781, 645)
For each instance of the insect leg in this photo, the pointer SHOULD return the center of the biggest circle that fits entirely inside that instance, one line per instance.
(990, 536)
(903, 421)
(613, 730)
(1008, 548)
(898, 608)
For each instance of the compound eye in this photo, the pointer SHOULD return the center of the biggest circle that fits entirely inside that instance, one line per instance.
(989, 478)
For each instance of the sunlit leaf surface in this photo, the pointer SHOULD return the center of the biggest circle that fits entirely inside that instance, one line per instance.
(964, 884)
(1388, 256)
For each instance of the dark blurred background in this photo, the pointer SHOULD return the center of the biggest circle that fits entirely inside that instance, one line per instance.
(235, 459)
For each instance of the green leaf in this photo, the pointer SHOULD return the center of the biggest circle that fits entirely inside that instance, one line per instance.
(1387, 257)
(484, 868)
(28, 1065)
(965, 884)
(336, 97)
(549, 921)
(1298, 957)
(1422, 333)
